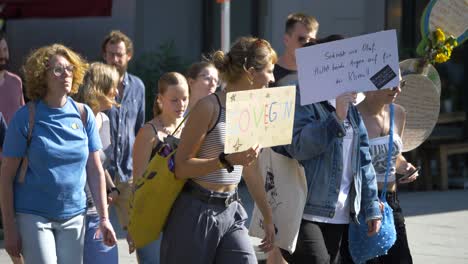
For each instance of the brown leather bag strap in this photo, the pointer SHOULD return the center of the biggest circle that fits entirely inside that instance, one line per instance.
(24, 161)
(83, 114)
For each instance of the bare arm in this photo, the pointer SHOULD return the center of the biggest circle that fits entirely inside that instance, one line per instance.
(96, 182)
(201, 119)
(109, 181)
(193, 134)
(256, 188)
(8, 173)
(144, 143)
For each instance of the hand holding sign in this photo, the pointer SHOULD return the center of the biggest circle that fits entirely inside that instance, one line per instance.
(342, 104)
(363, 63)
(244, 158)
(263, 116)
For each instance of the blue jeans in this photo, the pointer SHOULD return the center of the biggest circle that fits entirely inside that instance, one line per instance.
(150, 253)
(46, 241)
(94, 250)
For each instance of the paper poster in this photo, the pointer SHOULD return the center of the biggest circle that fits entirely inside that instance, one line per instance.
(449, 15)
(363, 63)
(262, 116)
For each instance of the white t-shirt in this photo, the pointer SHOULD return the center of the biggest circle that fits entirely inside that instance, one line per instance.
(342, 205)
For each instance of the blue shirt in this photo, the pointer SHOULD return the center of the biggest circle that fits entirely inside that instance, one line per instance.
(125, 121)
(56, 175)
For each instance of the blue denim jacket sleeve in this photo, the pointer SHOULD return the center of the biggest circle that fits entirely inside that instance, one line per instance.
(370, 201)
(311, 134)
(140, 119)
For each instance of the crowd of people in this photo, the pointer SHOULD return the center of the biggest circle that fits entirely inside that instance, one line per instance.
(81, 141)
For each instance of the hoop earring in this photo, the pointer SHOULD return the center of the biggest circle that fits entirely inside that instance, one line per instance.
(246, 71)
(250, 80)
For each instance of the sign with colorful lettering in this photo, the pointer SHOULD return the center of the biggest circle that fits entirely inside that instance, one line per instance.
(262, 116)
(363, 63)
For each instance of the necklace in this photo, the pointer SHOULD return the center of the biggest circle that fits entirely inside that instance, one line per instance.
(164, 129)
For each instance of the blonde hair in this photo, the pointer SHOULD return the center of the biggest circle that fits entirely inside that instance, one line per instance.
(36, 66)
(246, 52)
(166, 80)
(309, 22)
(98, 82)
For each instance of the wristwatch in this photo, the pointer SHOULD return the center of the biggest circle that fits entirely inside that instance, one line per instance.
(226, 164)
(112, 189)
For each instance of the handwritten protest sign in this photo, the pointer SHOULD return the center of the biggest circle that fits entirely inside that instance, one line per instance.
(263, 116)
(364, 63)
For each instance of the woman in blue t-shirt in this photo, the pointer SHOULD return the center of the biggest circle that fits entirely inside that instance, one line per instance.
(44, 212)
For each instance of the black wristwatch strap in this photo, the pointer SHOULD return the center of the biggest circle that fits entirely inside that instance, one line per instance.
(226, 164)
(110, 190)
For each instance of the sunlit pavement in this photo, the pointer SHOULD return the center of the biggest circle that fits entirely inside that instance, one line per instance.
(437, 226)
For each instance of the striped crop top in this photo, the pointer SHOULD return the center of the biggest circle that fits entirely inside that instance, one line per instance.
(379, 150)
(212, 146)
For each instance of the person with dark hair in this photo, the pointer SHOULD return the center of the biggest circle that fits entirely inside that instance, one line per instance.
(375, 111)
(125, 121)
(330, 141)
(43, 209)
(207, 221)
(299, 29)
(203, 80)
(11, 87)
(169, 108)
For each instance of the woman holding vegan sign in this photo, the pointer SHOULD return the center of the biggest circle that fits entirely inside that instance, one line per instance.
(330, 141)
(375, 111)
(207, 221)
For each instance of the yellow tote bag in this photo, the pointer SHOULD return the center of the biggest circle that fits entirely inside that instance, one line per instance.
(153, 196)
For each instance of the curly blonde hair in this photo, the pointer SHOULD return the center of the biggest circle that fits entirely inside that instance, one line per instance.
(97, 83)
(36, 66)
(246, 52)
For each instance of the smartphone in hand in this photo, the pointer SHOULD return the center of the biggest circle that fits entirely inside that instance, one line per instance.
(401, 177)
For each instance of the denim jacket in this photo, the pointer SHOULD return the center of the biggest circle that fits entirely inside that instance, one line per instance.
(317, 144)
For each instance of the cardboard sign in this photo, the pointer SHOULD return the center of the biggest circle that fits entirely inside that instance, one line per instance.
(449, 15)
(364, 63)
(262, 116)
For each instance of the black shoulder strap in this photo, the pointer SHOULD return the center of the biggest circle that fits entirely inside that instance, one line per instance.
(219, 113)
(154, 128)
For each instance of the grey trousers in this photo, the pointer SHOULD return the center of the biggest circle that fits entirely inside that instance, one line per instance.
(200, 233)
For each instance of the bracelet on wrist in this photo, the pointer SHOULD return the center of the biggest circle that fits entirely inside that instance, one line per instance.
(228, 166)
(103, 219)
(113, 189)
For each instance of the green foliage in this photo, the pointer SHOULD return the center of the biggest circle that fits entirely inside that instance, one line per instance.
(151, 65)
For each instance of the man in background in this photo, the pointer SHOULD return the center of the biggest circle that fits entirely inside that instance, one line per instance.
(11, 88)
(125, 121)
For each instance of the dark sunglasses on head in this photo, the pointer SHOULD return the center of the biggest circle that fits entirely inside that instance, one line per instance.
(303, 39)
